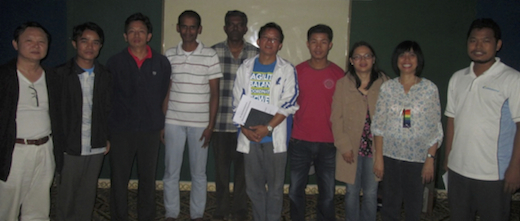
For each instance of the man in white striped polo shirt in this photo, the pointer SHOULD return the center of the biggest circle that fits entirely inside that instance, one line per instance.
(190, 114)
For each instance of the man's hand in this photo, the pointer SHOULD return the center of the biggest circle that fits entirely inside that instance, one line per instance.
(260, 131)
(206, 136)
(348, 156)
(512, 179)
(161, 136)
(450, 133)
(250, 134)
(427, 170)
(512, 176)
(108, 148)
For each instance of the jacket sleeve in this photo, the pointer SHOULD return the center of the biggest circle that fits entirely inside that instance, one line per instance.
(341, 139)
(287, 103)
(55, 89)
(108, 100)
(167, 69)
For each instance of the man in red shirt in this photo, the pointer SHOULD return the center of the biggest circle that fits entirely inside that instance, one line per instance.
(312, 140)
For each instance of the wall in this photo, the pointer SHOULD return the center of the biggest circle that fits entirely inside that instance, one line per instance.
(295, 23)
(51, 14)
(111, 16)
(505, 13)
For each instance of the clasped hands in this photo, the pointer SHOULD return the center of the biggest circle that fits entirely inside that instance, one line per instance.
(255, 133)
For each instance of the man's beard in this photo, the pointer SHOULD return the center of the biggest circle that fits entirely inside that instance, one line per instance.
(484, 61)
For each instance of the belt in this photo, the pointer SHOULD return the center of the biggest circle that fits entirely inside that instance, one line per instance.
(36, 142)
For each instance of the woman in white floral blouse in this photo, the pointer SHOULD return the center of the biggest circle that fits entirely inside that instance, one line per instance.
(407, 132)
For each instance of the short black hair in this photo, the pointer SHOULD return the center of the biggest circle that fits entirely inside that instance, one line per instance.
(273, 26)
(407, 46)
(486, 23)
(191, 14)
(78, 30)
(375, 73)
(139, 17)
(320, 28)
(30, 24)
(236, 13)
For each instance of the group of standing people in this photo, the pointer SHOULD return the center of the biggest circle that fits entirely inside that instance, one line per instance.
(359, 128)
(369, 124)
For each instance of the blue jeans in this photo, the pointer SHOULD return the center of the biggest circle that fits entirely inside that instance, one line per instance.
(301, 155)
(265, 168)
(175, 139)
(365, 180)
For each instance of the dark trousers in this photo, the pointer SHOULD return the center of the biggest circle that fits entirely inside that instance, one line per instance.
(468, 197)
(225, 150)
(77, 189)
(124, 148)
(301, 155)
(402, 183)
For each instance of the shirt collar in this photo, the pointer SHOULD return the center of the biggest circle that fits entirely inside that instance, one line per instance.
(78, 70)
(148, 53)
(488, 71)
(180, 51)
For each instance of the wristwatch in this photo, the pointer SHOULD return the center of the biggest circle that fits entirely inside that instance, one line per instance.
(269, 128)
(431, 156)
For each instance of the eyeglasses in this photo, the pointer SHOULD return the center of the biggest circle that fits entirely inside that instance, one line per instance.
(365, 56)
(268, 39)
(34, 93)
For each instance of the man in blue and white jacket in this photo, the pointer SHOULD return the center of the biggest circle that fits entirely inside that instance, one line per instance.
(270, 79)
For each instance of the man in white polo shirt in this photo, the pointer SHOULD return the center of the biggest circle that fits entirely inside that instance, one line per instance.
(192, 105)
(483, 130)
(29, 114)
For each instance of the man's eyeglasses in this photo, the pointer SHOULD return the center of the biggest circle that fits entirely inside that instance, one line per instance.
(268, 39)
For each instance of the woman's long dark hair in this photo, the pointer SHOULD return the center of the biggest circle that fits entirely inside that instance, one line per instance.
(374, 74)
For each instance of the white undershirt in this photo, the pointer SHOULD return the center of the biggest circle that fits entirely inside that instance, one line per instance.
(32, 114)
(86, 80)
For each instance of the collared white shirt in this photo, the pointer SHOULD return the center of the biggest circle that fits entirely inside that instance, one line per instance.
(485, 110)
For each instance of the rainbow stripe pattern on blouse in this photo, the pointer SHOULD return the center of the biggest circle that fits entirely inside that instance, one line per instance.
(407, 118)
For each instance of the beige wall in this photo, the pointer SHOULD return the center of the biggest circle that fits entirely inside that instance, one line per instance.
(294, 16)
